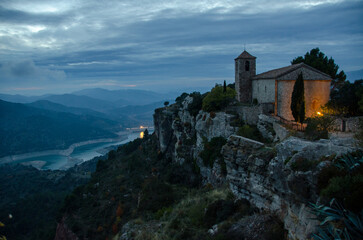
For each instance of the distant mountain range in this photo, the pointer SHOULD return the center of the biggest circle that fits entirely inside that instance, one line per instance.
(128, 107)
(36, 123)
(354, 75)
(101, 97)
(126, 96)
(27, 129)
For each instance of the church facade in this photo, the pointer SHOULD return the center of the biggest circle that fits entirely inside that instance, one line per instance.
(274, 88)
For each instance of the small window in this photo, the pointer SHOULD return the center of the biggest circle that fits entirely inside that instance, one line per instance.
(247, 65)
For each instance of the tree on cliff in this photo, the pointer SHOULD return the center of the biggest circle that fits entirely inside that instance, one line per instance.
(298, 100)
(318, 60)
(217, 99)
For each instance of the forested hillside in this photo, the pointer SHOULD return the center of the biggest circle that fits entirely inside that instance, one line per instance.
(26, 129)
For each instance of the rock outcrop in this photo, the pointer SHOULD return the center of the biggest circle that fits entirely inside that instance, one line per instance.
(280, 178)
(265, 177)
(181, 135)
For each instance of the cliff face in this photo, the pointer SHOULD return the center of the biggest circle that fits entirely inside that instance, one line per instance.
(181, 135)
(280, 178)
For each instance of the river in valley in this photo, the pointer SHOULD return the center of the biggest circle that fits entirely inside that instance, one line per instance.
(79, 154)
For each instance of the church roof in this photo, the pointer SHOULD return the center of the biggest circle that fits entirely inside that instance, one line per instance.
(245, 54)
(276, 73)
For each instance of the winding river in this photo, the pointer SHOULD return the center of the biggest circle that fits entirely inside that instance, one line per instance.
(77, 153)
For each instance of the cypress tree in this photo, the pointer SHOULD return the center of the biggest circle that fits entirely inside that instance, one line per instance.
(298, 100)
(224, 86)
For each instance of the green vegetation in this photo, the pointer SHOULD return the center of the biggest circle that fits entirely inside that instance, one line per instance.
(195, 106)
(251, 132)
(26, 129)
(318, 127)
(298, 100)
(217, 99)
(193, 215)
(33, 198)
(318, 60)
(343, 181)
(337, 222)
(347, 101)
(303, 164)
(212, 151)
(181, 98)
(135, 179)
(340, 186)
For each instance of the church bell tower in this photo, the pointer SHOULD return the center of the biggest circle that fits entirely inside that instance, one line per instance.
(245, 70)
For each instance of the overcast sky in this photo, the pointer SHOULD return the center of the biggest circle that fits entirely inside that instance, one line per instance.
(165, 45)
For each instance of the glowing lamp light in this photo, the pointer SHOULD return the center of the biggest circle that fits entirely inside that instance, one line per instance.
(319, 114)
(141, 135)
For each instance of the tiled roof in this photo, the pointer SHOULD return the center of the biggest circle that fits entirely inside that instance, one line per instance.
(273, 74)
(245, 54)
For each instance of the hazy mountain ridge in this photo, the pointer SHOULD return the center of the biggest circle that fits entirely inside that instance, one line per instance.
(129, 107)
(71, 100)
(354, 75)
(100, 97)
(125, 96)
(27, 129)
(48, 105)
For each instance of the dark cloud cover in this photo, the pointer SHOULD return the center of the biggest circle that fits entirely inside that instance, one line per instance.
(165, 45)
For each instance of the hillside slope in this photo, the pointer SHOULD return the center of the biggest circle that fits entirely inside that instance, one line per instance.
(34, 197)
(26, 129)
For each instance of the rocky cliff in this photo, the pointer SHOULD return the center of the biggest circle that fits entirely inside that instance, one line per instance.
(182, 136)
(279, 177)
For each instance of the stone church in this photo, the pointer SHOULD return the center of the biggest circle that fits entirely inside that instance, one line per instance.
(274, 88)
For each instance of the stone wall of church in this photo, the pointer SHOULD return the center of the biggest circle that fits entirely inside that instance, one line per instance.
(316, 95)
(263, 90)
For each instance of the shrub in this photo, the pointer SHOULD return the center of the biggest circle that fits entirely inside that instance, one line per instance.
(337, 222)
(155, 195)
(343, 180)
(196, 105)
(347, 189)
(326, 174)
(318, 127)
(218, 211)
(250, 132)
(181, 98)
(303, 164)
(130, 147)
(217, 99)
(212, 150)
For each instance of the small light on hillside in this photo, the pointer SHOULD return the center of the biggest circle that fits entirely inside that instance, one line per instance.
(141, 135)
(319, 114)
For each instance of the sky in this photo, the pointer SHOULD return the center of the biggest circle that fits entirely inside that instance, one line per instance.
(165, 45)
